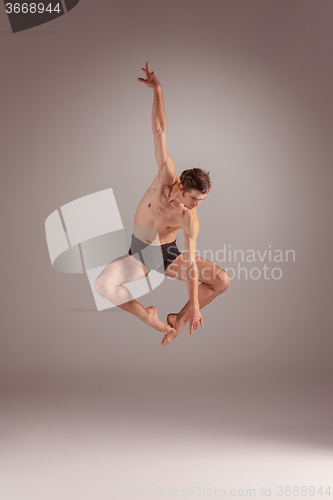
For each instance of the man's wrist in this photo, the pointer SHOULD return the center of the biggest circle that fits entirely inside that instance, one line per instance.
(194, 304)
(158, 89)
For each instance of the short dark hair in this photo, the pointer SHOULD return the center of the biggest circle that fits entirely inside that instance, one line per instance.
(195, 178)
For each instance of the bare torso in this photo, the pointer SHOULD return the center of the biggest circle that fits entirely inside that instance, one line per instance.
(156, 215)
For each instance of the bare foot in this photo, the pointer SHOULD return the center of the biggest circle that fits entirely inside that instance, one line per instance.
(156, 323)
(177, 325)
(172, 320)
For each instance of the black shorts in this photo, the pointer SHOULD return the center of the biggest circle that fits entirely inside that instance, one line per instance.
(157, 257)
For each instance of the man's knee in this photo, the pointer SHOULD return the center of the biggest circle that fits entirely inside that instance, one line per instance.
(99, 285)
(221, 281)
(102, 285)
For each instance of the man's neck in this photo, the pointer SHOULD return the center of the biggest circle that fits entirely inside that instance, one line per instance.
(173, 191)
(175, 195)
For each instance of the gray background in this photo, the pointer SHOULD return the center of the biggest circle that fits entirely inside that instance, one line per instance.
(248, 96)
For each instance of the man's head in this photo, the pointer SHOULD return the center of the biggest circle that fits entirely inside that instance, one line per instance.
(194, 186)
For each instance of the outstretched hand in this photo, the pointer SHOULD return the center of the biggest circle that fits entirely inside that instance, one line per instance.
(150, 80)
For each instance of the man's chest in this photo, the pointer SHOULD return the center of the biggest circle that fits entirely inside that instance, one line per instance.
(156, 209)
(165, 214)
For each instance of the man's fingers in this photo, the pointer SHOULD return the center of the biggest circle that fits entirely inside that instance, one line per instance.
(201, 322)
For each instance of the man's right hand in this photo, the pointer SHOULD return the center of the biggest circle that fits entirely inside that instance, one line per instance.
(150, 80)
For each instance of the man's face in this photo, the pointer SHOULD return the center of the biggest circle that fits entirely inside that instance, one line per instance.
(192, 198)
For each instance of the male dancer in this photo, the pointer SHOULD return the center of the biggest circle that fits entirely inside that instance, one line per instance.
(168, 206)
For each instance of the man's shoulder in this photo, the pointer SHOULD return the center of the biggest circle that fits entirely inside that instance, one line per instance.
(160, 183)
(167, 181)
(159, 188)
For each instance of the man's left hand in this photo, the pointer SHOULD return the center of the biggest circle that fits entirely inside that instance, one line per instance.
(151, 80)
(194, 317)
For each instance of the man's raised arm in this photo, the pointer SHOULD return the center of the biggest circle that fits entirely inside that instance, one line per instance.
(164, 161)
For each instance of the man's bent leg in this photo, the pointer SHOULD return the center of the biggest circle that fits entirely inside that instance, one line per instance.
(109, 284)
(214, 281)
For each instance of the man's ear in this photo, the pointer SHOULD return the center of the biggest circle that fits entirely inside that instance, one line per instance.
(180, 187)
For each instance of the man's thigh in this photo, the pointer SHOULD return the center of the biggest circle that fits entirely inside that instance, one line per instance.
(124, 269)
(207, 271)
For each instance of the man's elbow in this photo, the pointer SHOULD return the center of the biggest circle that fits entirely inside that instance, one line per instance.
(159, 131)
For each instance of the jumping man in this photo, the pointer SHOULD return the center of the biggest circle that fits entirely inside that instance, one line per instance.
(168, 206)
